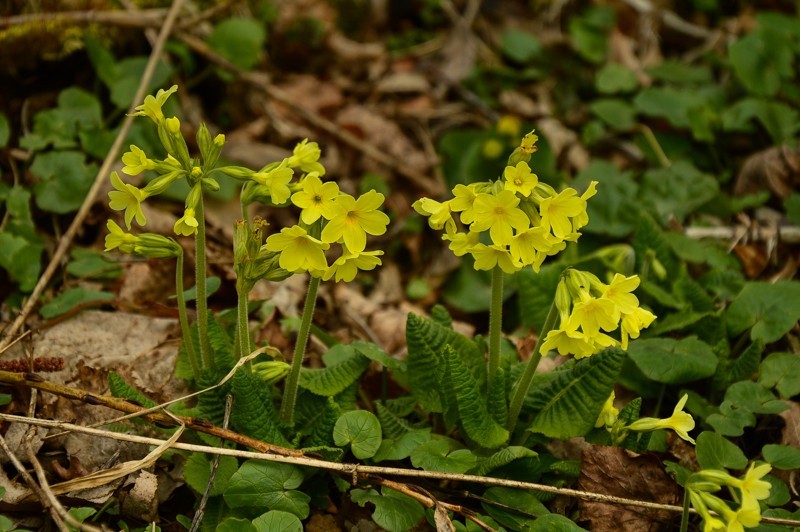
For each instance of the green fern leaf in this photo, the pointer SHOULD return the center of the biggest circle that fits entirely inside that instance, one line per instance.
(440, 315)
(426, 339)
(120, 388)
(501, 458)
(211, 404)
(336, 378)
(392, 425)
(221, 344)
(472, 412)
(318, 424)
(569, 404)
(498, 402)
(253, 413)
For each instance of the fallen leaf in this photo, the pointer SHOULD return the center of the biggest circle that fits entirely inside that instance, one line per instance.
(776, 169)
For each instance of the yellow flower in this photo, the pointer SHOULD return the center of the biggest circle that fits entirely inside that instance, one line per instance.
(508, 125)
(527, 245)
(487, 257)
(752, 486)
(127, 198)
(499, 214)
(346, 266)
(462, 243)
(187, 224)
(299, 250)
(556, 211)
(438, 212)
(277, 182)
(151, 107)
(633, 323)
(528, 144)
(583, 217)
(681, 422)
(568, 342)
(492, 148)
(608, 415)
(520, 179)
(594, 314)
(352, 219)
(619, 292)
(306, 156)
(117, 238)
(463, 201)
(136, 161)
(315, 198)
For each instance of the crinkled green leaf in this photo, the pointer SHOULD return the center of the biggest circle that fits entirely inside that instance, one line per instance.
(716, 452)
(394, 511)
(334, 379)
(471, 403)
(197, 471)
(568, 405)
(673, 361)
(271, 485)
(361, 430)
(438, 455)
(769, 310)
(120, 388)
(253, 412)
(501, 458)
(392, 424)
(375, 353)
(277, 521)
(69, 299)
(781, 371)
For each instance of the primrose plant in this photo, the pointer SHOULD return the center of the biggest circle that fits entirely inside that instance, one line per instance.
(328, 218)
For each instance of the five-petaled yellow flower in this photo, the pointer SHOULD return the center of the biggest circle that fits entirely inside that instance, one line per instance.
(187, 224)
(152, 105)
(345, 267)
(306, 157)
(277, 182)
(487, 257)
(315, 198)
(520, 179)
(439, 213)
(681, 422)
(299, 250)
(557, 211)
(136, 161)
(117, 238)
(353, 219)
(500, 215)
(128, 198)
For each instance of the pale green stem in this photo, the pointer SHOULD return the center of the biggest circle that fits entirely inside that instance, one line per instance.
(200, 283)
(290, 391)
(530, 370)
(685, 514)
(242, 325)
(188, 344)
(495, 322)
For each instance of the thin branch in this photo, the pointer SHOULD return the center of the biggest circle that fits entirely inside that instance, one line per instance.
(102, 174)
(360, 470)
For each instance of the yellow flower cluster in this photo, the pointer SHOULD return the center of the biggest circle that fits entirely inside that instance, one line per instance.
(751, 488)
(525, 220)
(588, 306)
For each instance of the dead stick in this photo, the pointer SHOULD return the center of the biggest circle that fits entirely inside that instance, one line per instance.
(122, 405)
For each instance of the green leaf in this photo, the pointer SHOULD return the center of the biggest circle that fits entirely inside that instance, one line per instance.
(782, 372)
(401, 447)
(782, 456)
(618, 213)
(69, 299)
(394, 511)
(649, 236)
(64, 180)
(438, 455)
(334, 379)
(716, 452)
(426, 339)
(120, 388)
(260, 484)
(197, 471)
(761, 59)
(212, 285)
(5, 130)
(568, 405)
(678, 72)
(80, 108)
(88, 263)
(677, 190)
(392, 424)
(617, 113)
(376, 354)
(18, 207)
(670, 103)
(510, 499)
(128, 75)
(277, 521)
(588, 32)
(768, 310)
(520, 46)
(672, 361)
(235, 524)
(103, 61)
(780, 120)
(536, 293)
(239, 40)
(21, 259)
(51, 126)
(614, 78)
(361, 430)
(253, 413)
(555, 523)
(792, 207)
(468, 289)
(471, 404)
(502, 458)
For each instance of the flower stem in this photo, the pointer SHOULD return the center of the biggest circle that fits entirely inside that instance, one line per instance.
(290, 391)
(495, 322)
(242, 326)
(530, 370)
(200, 283)
(685, 514)
(188, 344)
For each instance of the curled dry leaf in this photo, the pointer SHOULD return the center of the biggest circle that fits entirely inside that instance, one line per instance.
(622, 473)
(776, 169)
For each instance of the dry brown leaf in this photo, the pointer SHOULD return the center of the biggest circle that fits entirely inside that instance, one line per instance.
(776, 169)
(622, 473)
